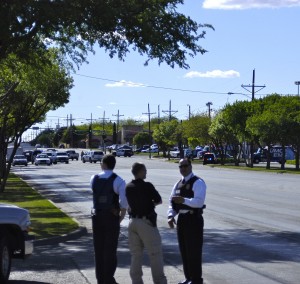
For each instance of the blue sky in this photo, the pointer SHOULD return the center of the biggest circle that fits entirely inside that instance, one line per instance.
(249, 34)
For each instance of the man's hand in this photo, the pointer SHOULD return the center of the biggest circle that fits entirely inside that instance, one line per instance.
(122, 214)
(178, 199)
(171, 222)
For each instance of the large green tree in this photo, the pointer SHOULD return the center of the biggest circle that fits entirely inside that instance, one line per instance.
(27, 93)
(167, 135)
(153, 28)
(195, 130)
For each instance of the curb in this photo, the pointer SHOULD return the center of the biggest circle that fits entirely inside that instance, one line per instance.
(81, 231)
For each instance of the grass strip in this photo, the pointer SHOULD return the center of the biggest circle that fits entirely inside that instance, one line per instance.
(46, 219)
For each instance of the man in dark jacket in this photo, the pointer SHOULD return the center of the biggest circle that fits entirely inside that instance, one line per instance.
(142, 198)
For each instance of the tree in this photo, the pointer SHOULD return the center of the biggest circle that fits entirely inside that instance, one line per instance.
(195, 130)
(153, 28)
(166, 135)
(221, 135)
(141, 138)
(27, 93)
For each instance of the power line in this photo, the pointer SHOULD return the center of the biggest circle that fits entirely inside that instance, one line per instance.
(152, 86)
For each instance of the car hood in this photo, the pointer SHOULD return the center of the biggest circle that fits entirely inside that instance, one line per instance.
(12, 214)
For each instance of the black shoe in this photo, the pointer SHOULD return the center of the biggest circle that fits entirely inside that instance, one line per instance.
(184, 282)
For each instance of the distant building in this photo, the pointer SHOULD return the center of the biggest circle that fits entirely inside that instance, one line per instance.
(127, 132)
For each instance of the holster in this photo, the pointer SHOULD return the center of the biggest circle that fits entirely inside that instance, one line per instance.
(152, 217)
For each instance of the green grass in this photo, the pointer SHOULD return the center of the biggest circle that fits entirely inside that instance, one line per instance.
(46, 219)
(277, 170)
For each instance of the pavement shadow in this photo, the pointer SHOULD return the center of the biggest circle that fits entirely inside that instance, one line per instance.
(221, 246)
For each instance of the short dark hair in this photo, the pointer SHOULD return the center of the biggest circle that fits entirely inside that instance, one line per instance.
(186, 159)
(110, 161)
(137, 167)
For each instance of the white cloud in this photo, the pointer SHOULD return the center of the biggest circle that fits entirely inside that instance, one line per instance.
(124, 83)
(112, 103)
(249, 4)
(99, 107)
(213, 74)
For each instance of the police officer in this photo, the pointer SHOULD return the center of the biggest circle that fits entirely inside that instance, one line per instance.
(142, 230)
(187, 200)
(109, 209)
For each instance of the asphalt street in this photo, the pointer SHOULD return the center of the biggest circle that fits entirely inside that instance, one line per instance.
(252, 232)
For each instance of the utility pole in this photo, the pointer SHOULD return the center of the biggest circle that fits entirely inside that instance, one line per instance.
(149, 128)
(118, 120)
(103, 131)
(170, 111)
(71, 130)
(209, 109)
(91, 130)
(158, 114)
(253, 86)
(189, 111)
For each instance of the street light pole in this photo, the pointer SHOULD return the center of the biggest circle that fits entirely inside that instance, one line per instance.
(297, 83)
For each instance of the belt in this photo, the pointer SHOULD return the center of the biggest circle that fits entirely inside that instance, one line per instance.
(136, 216)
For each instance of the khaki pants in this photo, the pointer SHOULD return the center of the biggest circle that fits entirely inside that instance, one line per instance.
(141, 234)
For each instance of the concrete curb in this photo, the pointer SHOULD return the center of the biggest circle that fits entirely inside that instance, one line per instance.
(81, 231)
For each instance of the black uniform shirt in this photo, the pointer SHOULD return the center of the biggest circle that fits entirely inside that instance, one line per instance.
(142, 197)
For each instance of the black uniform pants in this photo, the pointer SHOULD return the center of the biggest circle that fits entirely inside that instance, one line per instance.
(190, 240)
(106, 229)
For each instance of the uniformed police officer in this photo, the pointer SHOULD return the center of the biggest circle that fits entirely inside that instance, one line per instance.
(109, 209)
(187, 200)
(142, 230)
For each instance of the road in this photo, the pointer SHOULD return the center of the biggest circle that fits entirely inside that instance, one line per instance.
(252, 222)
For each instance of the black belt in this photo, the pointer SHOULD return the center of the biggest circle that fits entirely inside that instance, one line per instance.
(137, 216)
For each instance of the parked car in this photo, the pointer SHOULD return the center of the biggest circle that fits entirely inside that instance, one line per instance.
(42, 159)
(15, 242)
(73, 155)
(19, 160)
(92, 156)
(124, 147)
(209, 158)
(124, 152)
(151, 150)
(52, 156)
(154, 146)
(275, 154)
(144, 147)
(62, 157)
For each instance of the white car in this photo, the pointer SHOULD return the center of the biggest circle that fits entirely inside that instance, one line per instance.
(15, 242)
(92, 156)
(151, 150)
(42, 159)
(19, 160)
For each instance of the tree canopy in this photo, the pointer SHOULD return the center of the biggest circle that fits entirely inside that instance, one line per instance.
(153, 28)
(27, 93)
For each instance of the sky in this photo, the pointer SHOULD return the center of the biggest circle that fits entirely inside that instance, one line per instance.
(260, 35)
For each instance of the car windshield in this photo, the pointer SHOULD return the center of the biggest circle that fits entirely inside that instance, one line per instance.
(42, 156)
(62, 154)
(20, 157)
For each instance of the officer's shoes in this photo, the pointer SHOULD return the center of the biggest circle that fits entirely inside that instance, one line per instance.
(184, 282)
